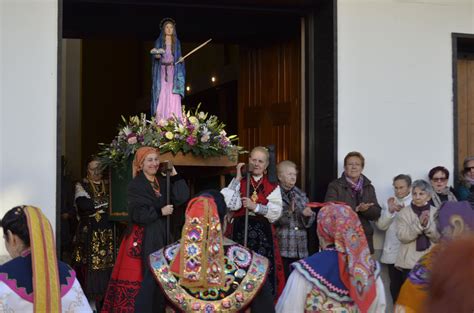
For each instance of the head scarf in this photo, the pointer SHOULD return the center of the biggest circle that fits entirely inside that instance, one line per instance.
(338, 224)
(422, 241)
(356, 188)
(140, 156)
(200, 259)
(455, 218)
(46, 287)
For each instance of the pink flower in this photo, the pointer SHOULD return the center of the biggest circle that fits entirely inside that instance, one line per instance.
(132, 140)
(190, 128)
(163, 123)
(191, 140)
(224, 141)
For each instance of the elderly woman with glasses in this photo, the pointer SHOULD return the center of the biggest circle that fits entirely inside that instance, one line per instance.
(465, 190)
(439, 176)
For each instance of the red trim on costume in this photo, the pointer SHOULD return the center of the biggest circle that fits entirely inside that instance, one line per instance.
(263, 191)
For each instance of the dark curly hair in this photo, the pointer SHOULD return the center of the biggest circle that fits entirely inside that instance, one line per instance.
(437, 169)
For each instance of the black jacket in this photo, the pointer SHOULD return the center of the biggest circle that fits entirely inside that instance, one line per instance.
(144, 208)
(340, 190)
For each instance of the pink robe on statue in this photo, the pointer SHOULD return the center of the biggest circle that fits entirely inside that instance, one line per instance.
(169, 103)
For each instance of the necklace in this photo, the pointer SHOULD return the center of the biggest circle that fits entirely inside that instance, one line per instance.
(98, 193)
(254, 196)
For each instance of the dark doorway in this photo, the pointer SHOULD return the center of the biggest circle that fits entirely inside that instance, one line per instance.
(274, 40)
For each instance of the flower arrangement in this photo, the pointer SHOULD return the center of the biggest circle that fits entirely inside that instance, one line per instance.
(196, 132)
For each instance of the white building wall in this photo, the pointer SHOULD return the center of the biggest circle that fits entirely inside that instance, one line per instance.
(395, 84)
(28, 87)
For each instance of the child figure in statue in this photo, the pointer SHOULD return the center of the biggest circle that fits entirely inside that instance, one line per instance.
(168, 73)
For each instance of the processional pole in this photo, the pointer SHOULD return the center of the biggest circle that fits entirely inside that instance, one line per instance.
(247, 195)
(168, 168)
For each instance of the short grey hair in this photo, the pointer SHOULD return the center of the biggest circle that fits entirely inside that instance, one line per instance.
(404, 177)
(286, 164)
(423, 185)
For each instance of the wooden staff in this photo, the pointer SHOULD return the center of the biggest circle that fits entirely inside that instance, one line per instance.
(168, 169)
(247, 190)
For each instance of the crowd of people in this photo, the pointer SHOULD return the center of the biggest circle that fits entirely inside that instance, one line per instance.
(245, 247)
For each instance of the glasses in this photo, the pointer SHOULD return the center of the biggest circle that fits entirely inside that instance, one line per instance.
(439, 179)
(469, 168)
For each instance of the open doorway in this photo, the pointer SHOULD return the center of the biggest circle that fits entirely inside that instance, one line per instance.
(106, 70)
(250, 75)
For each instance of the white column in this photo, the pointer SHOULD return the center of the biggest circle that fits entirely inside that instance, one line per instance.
(28, 104)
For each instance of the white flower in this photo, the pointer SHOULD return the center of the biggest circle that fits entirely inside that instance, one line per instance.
(202, 115)
(205, 138)
(163, 123)
(222, 133)
(193, 120)
(169, 135)
(127, 131)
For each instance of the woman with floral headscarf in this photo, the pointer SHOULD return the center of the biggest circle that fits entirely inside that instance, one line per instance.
(341, 277)
(34, 280)
(131, 287)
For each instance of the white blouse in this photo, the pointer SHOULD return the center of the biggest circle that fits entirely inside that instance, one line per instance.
(272, 210)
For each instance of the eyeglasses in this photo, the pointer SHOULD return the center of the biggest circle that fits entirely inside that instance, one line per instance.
(439, 179)
(94, 170)
(469, 168)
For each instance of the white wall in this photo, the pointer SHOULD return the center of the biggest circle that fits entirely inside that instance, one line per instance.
(395, 84)
(28, 80)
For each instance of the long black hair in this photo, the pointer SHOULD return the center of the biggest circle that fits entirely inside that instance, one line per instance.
(15, 221)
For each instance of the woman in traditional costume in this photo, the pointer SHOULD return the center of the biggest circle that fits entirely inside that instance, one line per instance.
(265, 207)
(342, 277)
(93, 255)
(34, 280)
(206, 272)
(132, 287)
(454, 219)
(168, 76)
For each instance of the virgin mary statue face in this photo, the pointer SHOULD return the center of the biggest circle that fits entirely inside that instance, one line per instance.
(169, 29)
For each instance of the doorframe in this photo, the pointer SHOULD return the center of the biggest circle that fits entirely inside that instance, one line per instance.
(321, 98)
(457, 51)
